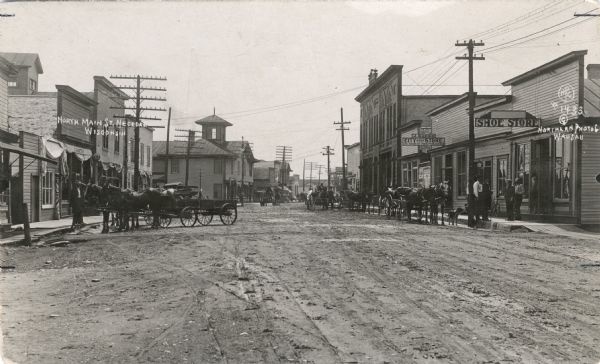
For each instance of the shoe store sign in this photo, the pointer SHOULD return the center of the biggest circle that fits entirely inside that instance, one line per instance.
(507, 118)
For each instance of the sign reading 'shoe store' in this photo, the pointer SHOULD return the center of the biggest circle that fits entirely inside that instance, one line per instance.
(507, 118)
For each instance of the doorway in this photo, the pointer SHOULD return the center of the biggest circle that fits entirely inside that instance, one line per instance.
(540, 191)
(35, 198)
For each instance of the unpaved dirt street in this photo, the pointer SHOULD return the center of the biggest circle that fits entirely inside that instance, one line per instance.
(287, 285)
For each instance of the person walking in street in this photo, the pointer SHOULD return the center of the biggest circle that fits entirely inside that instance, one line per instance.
(509, 198)
(519, 192)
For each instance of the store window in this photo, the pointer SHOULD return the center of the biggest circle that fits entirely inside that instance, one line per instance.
(449, 168)
(522, 164)
(415, 174)
(437, 170)
(484, 170)
(462, 173)
(501, 175)
(562, 168)
(405, 174)
(48, 189)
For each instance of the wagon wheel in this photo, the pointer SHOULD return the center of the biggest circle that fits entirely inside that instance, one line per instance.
(187, 217)
(228, 214)
(148, 218)
(204, 218)
(164, 220)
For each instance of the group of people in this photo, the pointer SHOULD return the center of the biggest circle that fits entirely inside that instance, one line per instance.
(480, 200)
(513, 196)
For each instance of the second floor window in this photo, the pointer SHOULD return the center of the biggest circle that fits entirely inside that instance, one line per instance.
(218, 166)
(12, 83)
(117, 140)
(105, 139)
(148, 156)
(174, 166)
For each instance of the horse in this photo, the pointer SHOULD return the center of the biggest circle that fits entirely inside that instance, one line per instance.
(151, 198)
(358, 200)
(414, 200)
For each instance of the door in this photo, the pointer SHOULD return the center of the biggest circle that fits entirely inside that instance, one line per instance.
(540, 191)
(16, 201)
(35, 198)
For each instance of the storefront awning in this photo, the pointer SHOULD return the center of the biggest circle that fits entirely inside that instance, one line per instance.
(83, 154)
(54, 148)
(18, 150)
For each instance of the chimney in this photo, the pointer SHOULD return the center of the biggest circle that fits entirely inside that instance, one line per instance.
(372, 75)
(593, 71)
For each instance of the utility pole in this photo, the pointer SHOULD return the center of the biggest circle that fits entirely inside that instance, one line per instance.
(283, 152)
(311, 171)
(328, 152)
(167, 148)
(191, 138)
(243, 158)
(470, 47)
(138, 98)
(303, 171)
(320, 166)
(342, 127)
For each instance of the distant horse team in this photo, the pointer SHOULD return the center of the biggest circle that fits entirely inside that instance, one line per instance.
(427, 202)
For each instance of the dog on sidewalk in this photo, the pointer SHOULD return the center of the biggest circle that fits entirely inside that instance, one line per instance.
(453, 215)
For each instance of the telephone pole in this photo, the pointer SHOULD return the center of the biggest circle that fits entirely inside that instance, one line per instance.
(284, 153)
(342, 127)
(167, 148)
(138, 98)
(191, 138)
(310, 164)
(303, 171)
(328, 152)
(470, 47)
(319, 167)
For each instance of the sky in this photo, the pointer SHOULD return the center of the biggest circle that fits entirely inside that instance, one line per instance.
(281, 71)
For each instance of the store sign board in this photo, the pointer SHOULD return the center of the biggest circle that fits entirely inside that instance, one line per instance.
(424, 139)
(507, 118)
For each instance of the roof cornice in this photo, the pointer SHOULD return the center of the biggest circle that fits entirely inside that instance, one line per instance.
(385, 76)
(555, 63)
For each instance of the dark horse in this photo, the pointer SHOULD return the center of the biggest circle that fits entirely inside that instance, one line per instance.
(439, 199)
(413, 198)
(358, 200)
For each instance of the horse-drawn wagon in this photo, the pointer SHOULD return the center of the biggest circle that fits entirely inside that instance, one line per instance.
(191, 208)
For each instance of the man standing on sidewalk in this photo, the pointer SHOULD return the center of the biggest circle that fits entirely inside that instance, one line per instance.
(509, 198)
(519, 192)
(77, 204)
(474, 203)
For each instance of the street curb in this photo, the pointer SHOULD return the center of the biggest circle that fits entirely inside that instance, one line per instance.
(43, 234)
